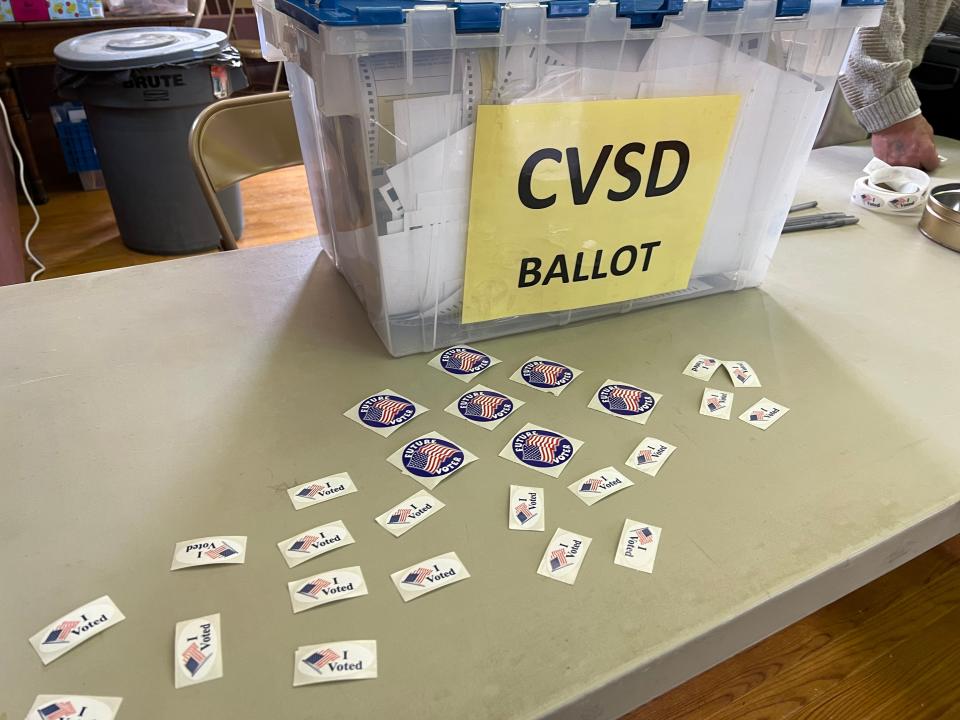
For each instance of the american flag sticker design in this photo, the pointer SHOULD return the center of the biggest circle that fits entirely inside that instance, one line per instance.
(314, 587)
(546, 375)
(223, 550)
(591, 485)
(318, 660)
(197, 653)
(410, 513)
(463, 361)
(650, 455)
(417, 577)
(322, 490)
(328, 587)
(193, 659)
(429, 575)
(540, 449)
(57, 711)
(625, 401)
(525, 508)
(638, 546)
(303, 544)
(399, 517)
(564, 556)
(741, 374)
(314, 542)
(600, 484)
(701, 367)
(61, 633)
(73, 629)
(764, 413)
(558, 560)
(716, 403)
(430, 456)
(431, 459)
(384, 412)
(334, 662)
(483, 407)
(524, 513)
(644, 535)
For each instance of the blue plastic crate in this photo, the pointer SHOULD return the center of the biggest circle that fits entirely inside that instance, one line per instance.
(70, 120)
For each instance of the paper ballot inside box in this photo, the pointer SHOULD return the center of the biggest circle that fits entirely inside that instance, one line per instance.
(444, 166)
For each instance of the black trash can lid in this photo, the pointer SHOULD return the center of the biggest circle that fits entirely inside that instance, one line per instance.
(129, 48)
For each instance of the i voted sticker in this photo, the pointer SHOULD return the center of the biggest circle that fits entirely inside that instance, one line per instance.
(335, 661)
(410, 513)
(212, 550)
(650, 455)
(741, 374)
(716, 403)
(314, 542)
(702, 367)
(429, 575)
(463, 362)
(540, 449)
(564, 556)
(74, 628)
(319, 491)
(764, 413)
(526, 509)
(326, 587)
(638, 545)
(431, 459)
(625, 401)
(545, 375)
(384, 412)
(597, 485)
(197, 651)
(74, 707)
(484, 407)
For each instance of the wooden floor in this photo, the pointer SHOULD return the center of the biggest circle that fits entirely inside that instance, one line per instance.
(889, 651)
(77, 233)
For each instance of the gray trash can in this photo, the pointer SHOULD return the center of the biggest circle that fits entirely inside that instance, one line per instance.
(142, 89)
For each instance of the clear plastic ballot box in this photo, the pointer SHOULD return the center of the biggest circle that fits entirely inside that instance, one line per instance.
(485, 168)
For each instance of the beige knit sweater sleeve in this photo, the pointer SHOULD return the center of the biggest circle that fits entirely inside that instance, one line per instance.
(876, 81)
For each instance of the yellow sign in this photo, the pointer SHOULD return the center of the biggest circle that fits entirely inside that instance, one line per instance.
(584, 203)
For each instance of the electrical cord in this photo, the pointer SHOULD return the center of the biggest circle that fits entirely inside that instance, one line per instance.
(23, 186)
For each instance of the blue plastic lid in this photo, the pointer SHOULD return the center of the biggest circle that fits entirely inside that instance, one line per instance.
(469, 17)
(484, 17)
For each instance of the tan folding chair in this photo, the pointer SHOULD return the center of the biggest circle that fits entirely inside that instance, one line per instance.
(248, 49)
(238, 138)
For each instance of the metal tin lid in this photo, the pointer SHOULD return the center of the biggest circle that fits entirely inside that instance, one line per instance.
(129, 48)
(941, 216)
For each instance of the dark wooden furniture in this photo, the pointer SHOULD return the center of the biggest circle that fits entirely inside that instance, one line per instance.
(32, 43)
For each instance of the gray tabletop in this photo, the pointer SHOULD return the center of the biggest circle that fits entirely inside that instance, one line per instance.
(159, 403)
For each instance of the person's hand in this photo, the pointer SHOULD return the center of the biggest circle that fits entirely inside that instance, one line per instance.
(908, 143)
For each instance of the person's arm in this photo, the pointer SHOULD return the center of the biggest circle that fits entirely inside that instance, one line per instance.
(876, 81)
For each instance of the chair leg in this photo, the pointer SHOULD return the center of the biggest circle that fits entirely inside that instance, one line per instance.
(276, 78)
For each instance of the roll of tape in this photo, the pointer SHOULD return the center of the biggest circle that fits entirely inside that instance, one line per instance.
(892, 190)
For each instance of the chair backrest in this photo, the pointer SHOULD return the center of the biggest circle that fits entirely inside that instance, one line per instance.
(238, 138)
(234, 6)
